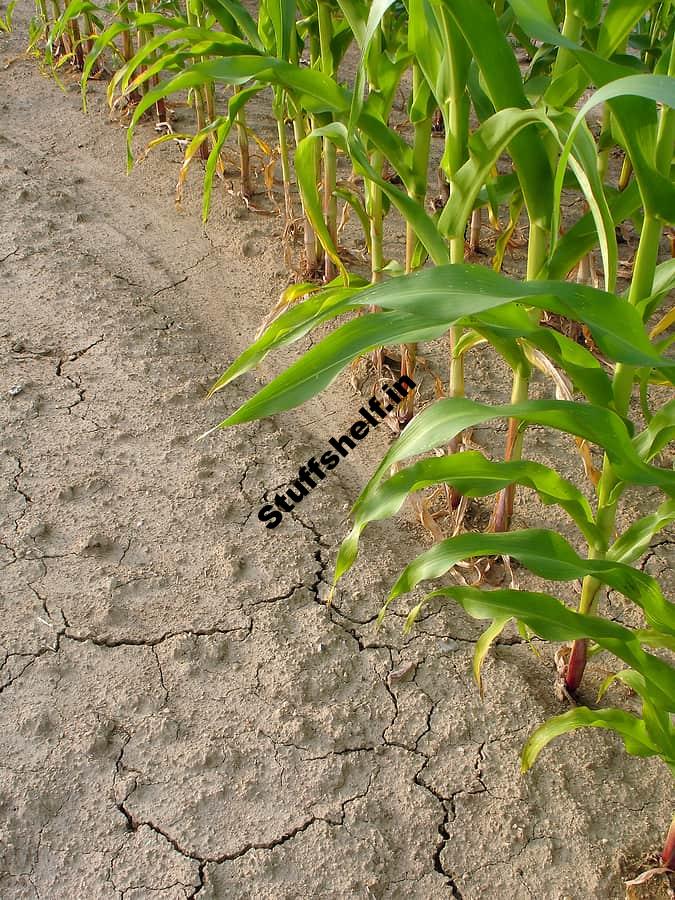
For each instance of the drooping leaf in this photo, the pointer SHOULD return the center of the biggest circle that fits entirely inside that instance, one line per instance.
(472, 475)
(439, 423)
(317, 369)
(552, 620)
(426, 303)
(483, 644)
(635, 540)
(546, 554)
(293, 324)
(630, 729)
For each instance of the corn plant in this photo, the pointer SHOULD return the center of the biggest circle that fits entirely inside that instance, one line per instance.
(6, 20)
(72, 33)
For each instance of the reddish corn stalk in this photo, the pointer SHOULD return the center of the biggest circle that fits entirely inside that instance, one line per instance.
(408, 360)
(576, 665)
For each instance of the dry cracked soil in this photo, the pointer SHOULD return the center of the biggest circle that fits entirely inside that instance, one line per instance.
(181, 714)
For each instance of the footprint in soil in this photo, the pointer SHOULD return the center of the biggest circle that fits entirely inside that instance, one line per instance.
(250, 246)
(101, 546)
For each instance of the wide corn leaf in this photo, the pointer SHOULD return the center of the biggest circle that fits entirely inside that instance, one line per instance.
(548, 555)
(630, 729)
(435, 299)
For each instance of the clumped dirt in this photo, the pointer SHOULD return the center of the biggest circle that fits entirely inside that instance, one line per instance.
(181, 714)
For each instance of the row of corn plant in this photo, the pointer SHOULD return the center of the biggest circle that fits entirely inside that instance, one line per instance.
(546, 140)
(514, 139)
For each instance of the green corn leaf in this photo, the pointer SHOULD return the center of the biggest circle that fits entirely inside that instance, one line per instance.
(412, 211)
(187, 35)
(635, 119)
(282, 14)
(513, 352)
(73, 10)
(618, 20)
(498, 190)
(172, 61)
(377, 10)
(490, 48)
(187, 80)
(473, 476)
(483, 644)
(635, 541)
(220, 15)
(552, 620)
(629, 677)
(293, 324)
(630, 729)
(656, 639)
(547, 555)
(315, 92)
(385, 139)
(223, 126)
(467, 342)
(157, 20)
(482, 104)
(486, 145)
(179, 56)
(659, 726)
(189, 41)
(365, 36)
(513, 322)
(619, 17)
(6, 23)
(579, 151)
(398, 153)
(355, 202)
(305, 171)
(445, 418)
(102, 42)
(651, 87)
(317, 369)
(658, 434)
(241, 16)
(444, 59)
(582, 237)
(356, 13)
(664, 282)
(440, 306)
(657, 719)
(428, 43)
(453, 291)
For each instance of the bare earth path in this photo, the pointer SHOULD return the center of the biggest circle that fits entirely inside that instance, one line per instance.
(180, 714)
